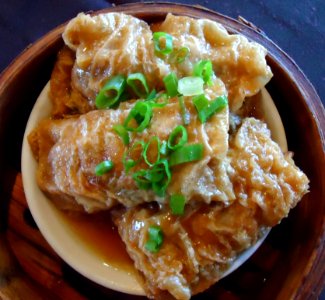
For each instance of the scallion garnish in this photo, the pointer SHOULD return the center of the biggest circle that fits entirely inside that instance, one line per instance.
(139, 116)
(186, 154)
(160, 187)
(163, 43)
(200, 102)
(190, 86)
(157, 101)
(163, 148)
(177, 204)
(155, 239)
(110, 94)
(207, 108)
(138, 83)
(133, 155)
(149, 151)
(152, 95)
(123, 133)
(179, 55)
(104, 167)
(204, 70)
(184, 112)
(141, 179)
(177, 138)
(171, 83)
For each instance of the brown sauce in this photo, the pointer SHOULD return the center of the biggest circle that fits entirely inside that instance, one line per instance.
(100, 236)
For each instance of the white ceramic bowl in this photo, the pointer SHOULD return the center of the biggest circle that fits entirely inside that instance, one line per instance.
(71, 246)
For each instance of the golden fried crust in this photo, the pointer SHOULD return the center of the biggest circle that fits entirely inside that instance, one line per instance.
(121, 44)
(263, 177)
(199, 245)
(197, 248)
(66, 100)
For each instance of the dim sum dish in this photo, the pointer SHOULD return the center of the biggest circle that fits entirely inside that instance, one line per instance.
(162, 141)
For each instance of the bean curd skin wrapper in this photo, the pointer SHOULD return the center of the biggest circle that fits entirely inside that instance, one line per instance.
(242, 185)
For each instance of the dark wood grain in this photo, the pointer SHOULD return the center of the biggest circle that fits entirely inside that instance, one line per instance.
(289, 265)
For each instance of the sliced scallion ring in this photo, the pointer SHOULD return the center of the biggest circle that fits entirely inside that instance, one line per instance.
(133, 155)
(203, 69)
(161, 100)
(171, 83)
(206, 108)
(164, 148)
(163, 43)
(160, 187)
(156, 151)
(186, 154)
(179, 55)
(200, 102)
(190, 86)
(185, 114)
(111, 92)
(177, 138)
(123, 133)
(140, 114)
(104, 167)
(177, 204)
(138, 83)
(152, 95)
(155, 239)
(140, 177)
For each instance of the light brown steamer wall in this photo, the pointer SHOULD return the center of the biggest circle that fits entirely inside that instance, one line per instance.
(290, 263)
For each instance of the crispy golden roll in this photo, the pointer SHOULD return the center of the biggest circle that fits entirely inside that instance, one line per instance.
(68, 151)
(66, 99)
(199, 246)
(240, 64)
(107, 45)
(111, 44)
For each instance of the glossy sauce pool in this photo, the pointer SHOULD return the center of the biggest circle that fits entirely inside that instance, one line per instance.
(98, 233)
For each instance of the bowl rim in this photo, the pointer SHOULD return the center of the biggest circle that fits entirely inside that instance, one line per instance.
(312, 102)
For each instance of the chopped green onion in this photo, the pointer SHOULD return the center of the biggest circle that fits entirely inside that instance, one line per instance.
(104, 167)
(155, 240)
(185, 114)
(179, 55)
(200, 102)
(207, 108)
(177, 204)
(179, 133)
(138, 83)
(141, 113)
(152, 95)
(160, 187)
(131, 157)
(171, 83)
(155, 102)
(140, 177)
(111, 92)
(163, 43)
(129, 164)
(190, 86)
(186, 153)
(163, 148)
(157, 152)
(204, 70)
(157, 178)
(122, 132)
(155, 175)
